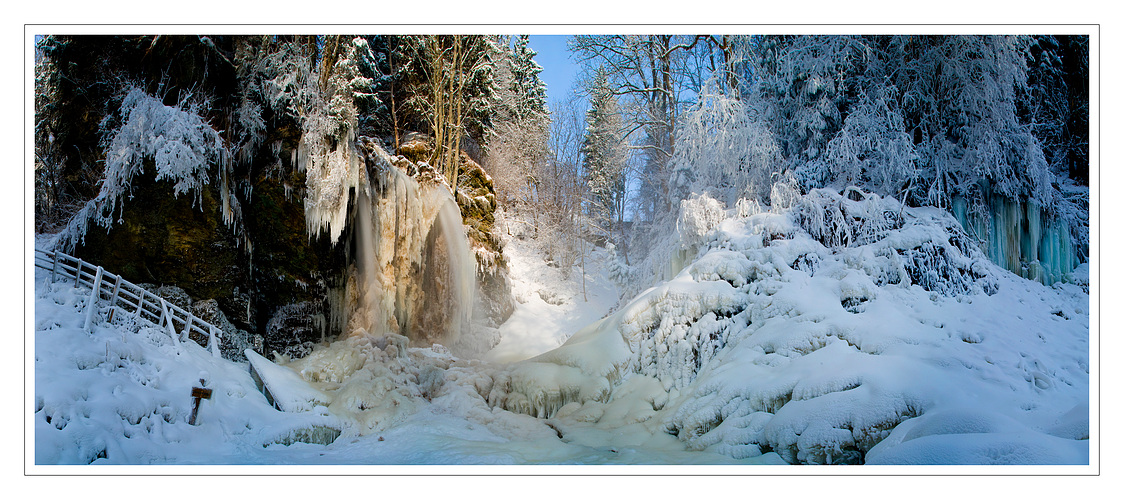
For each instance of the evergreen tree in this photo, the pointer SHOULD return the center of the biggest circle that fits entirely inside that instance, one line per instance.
(518, 149)
(527, 85)
(605, 156)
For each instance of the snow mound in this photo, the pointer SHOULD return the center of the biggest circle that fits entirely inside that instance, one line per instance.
(815, 331)
(975, 437)
(121, 394)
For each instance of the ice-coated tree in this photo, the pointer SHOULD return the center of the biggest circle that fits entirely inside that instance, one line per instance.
(656, 78)
(605, 156)
(801, 86)
(562, 188)
(516, 156)
(872, 149)
(724, 150)
(857, 109)
(1058, 105)
(933, 120)
(963, 95)
(49, 192)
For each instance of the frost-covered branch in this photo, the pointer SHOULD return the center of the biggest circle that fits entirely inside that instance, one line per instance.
(181, 145)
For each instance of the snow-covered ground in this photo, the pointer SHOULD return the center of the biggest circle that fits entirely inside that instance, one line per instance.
(550, 307)
(120, 395)
(897, 344)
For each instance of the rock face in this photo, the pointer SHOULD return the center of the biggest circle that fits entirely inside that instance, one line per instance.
(476, 195)
(164, 240)
(267, 276)
(252, 276)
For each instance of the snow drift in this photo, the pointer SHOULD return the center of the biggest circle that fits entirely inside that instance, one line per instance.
(814, 331)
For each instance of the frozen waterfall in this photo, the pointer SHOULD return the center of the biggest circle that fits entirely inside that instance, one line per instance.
(1021, 237)
(413, 272)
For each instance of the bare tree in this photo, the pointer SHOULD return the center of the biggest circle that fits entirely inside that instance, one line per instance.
(449, 81)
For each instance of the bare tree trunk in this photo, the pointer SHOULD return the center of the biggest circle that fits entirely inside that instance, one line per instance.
(727, 46)
(331, 54)
(458, 96)
(393, 105)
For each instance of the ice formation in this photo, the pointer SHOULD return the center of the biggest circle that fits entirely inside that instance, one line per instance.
(414, 274)
(412, 280)
(1022, 238)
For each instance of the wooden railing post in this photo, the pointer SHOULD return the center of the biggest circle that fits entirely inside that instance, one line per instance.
(166, 319)
(140, 301)
(214, 341)
(187, 325)
(92, 303)
(113, 298)
(54, 265)
(77, 273)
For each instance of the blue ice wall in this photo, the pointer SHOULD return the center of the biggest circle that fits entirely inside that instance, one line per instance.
(1019, 236)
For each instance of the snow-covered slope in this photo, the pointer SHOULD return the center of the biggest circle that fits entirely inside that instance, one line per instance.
(551, 304)
(843, 329)
(774, 341)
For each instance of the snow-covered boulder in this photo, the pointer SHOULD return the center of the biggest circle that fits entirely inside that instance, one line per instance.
(815, 331)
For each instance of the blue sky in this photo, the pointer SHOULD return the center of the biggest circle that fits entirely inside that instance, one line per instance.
(558, 71)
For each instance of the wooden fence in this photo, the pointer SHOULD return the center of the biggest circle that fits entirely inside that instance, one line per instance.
(128, 298)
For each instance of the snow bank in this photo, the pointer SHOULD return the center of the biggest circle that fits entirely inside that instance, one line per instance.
(122, 394)
(976, 437)
(816, 331)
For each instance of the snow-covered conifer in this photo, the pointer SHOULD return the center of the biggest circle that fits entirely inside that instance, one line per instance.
(605, 156)
(528, 87)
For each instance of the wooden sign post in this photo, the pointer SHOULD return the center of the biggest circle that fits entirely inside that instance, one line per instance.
(198, 393)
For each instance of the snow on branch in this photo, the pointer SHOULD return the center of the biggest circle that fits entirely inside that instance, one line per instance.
(722, 148)
(179, 142)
